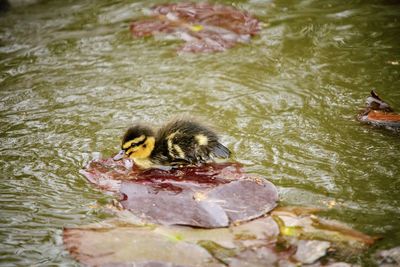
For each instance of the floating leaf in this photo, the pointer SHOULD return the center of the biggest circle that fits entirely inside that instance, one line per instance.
(107, 174)
(210, 195)
(204, 27)
(245, 199)
(378, 113)
(165, 207)
(378, 118)
(190, 202)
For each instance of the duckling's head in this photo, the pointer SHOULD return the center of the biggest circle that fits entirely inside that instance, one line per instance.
(137, 143)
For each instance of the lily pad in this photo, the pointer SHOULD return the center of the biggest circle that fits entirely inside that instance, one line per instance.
(210, 195)
(204, 27)
(166, 208)
(255, 243)
(220, 197)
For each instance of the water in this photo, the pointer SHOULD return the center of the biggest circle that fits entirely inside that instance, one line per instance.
(72, 80)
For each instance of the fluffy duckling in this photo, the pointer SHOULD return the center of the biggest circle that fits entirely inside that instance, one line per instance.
(180, 142)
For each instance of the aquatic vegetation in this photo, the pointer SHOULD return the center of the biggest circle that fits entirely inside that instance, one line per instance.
(212, 214)
(204, 27)
(260, 242)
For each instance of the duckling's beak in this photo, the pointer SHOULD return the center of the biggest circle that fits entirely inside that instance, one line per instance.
(120, 155)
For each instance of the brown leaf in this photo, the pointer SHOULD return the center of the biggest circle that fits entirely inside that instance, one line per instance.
(210, 195)
(204, 27)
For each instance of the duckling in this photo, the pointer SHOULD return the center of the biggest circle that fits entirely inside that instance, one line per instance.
(180, 142)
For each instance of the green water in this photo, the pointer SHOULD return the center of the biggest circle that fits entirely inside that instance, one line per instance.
(72, 79)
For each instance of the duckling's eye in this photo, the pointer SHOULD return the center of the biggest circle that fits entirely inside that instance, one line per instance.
(134, 142)
(144, 146)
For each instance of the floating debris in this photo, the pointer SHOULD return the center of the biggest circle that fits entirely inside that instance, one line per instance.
(204, 27)
(379, 113)
(394, 63)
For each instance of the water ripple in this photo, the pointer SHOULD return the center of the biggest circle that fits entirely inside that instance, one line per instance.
(72, 79)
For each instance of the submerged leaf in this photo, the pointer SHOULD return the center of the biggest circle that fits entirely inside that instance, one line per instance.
(119, 246)
(335, 226)
(308, 251)
(312, 227)
(261, 257)
(205, 27)
(287, 230)
(254, 243)
(217, 251)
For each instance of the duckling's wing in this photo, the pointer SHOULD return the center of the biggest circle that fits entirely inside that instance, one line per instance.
(220, 151)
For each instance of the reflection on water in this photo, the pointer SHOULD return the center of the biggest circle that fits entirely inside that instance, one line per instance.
(72, 79)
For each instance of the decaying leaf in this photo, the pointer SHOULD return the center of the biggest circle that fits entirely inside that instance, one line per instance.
(211, 195)
(204, 27)
(166, 207)
(314, 227)
(156, 203)
(254, 243)
(168, 202)
(244, 199)
(106, 174)
(379, 113)
(132, 245)
(308, 251)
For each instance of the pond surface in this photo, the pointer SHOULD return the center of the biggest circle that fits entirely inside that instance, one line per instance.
(72, 79)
